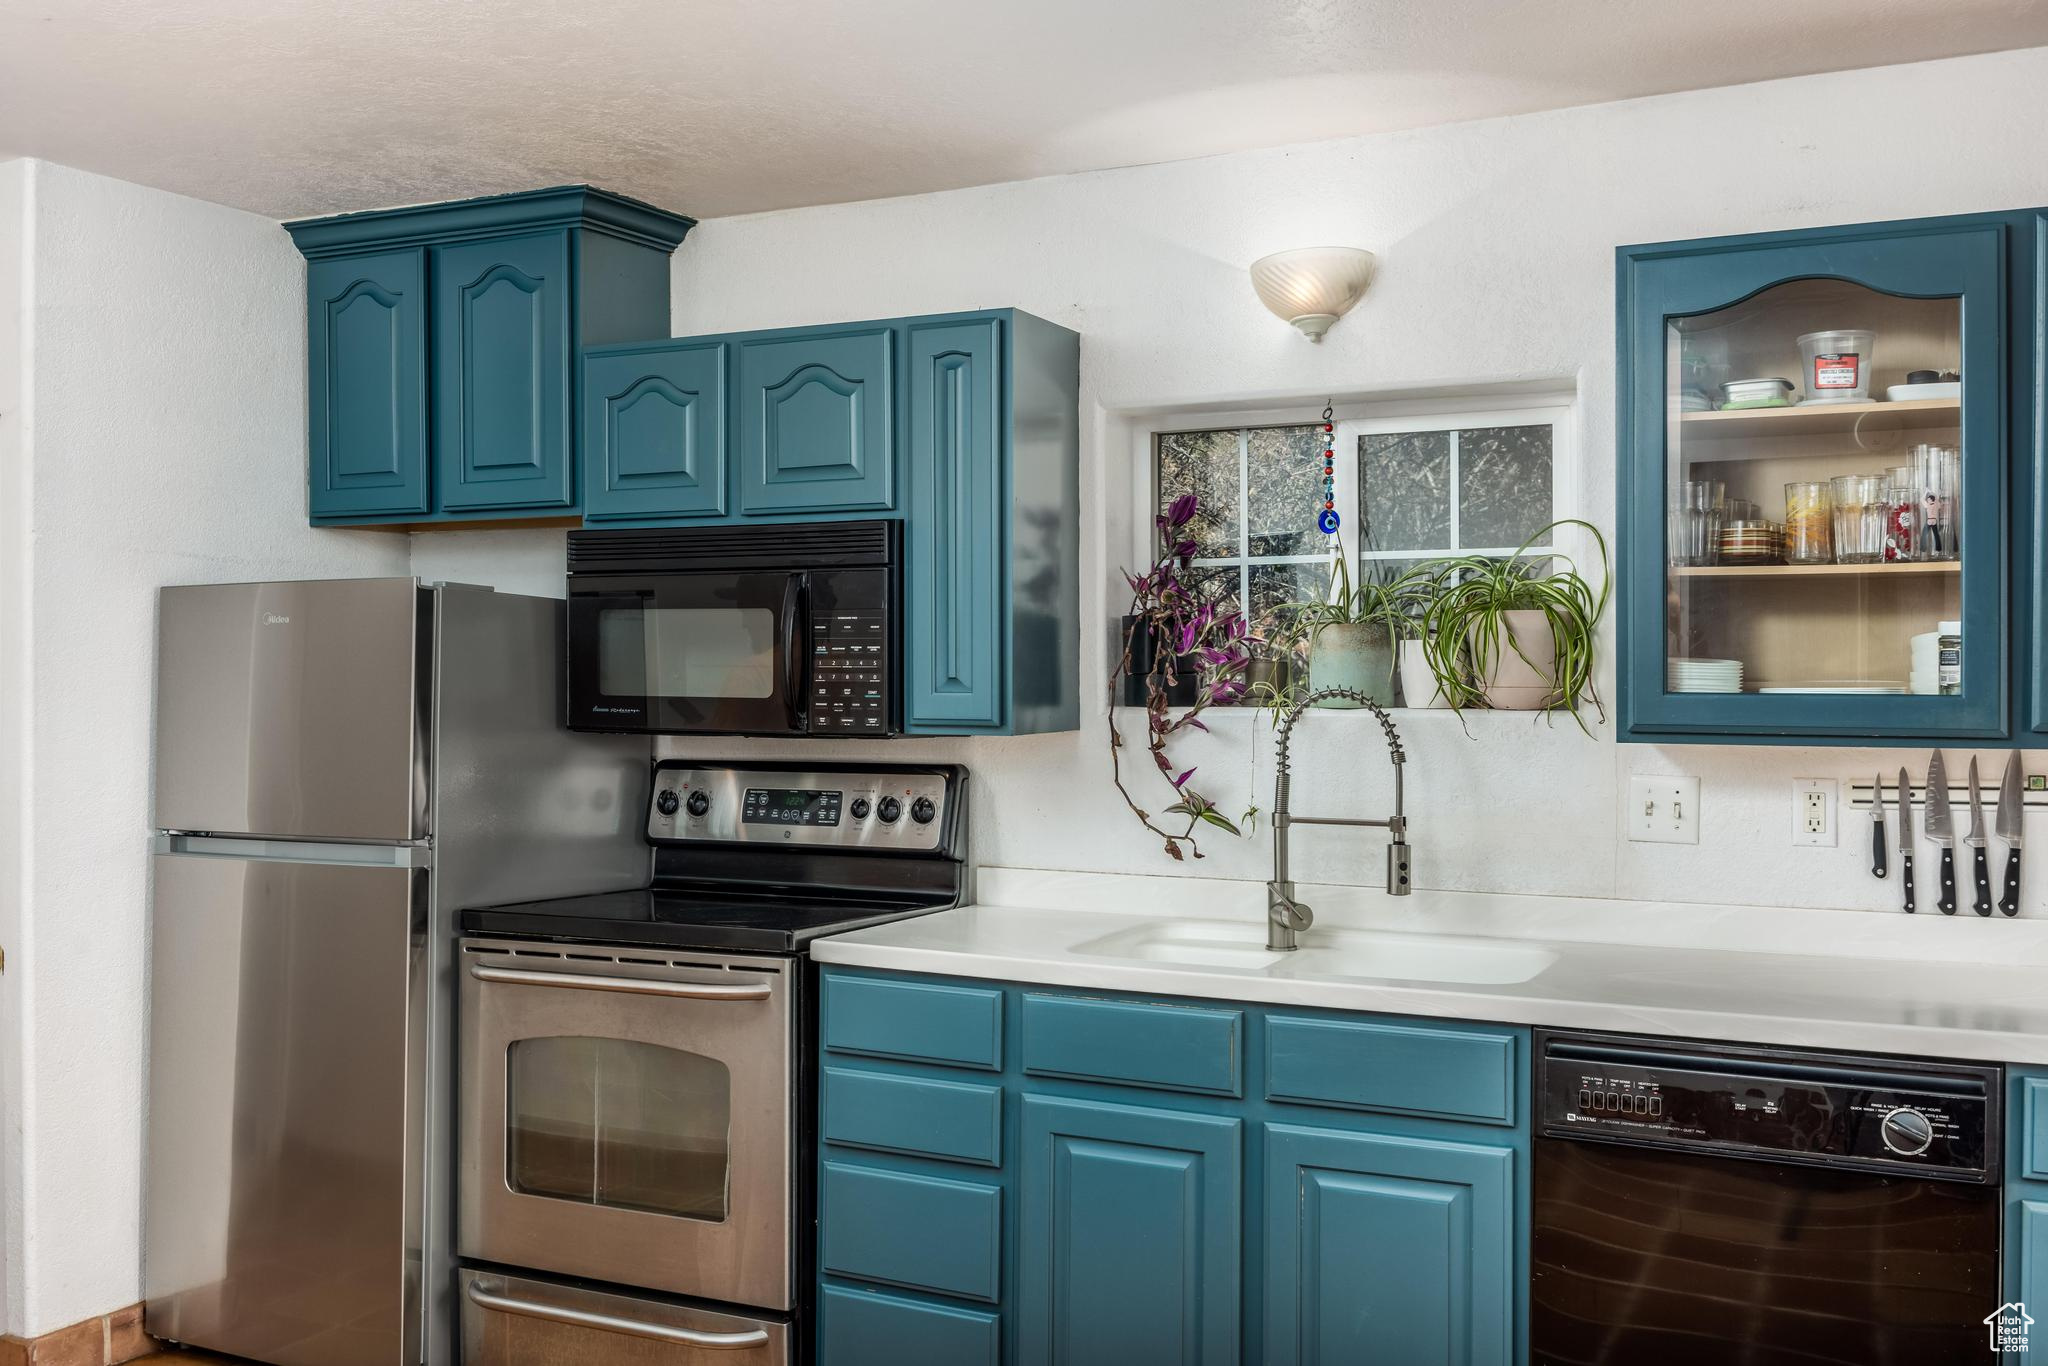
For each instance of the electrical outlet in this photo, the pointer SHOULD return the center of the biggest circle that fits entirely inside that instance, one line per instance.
(1663, 810)
(1813, 812)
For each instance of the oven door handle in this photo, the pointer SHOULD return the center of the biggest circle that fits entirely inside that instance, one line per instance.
(584, 1318)
(639, 986)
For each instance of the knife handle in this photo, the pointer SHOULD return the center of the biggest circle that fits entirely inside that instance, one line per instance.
(2010, 901)
(1948, 880)
(1906, 877)
(1981, 865)
(1877, 846)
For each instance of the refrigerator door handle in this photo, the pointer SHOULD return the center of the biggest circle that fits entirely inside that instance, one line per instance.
(417, 854)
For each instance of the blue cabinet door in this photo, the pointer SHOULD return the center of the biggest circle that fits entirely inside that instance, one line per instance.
(654, 432)
(1694, 315)
(1128, 1237)
(817, 422)
(502, 372)
(1385, 1251)
(367, 392)
(953, 628)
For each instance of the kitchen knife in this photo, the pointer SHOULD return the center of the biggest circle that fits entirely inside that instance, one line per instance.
(1877, 868)
(1906, 837)
(2011, 807)
(1980, 864)
(1941, 828)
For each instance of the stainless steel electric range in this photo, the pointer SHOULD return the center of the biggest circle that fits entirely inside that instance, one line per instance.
(638, 1088)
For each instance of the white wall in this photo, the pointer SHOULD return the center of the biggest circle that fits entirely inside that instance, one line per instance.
(14, 716)
(1497, 242)
(168, 446)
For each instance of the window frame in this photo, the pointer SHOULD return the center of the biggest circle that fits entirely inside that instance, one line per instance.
(1354, 420)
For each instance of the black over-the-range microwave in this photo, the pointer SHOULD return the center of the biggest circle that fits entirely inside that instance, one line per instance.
(785, 629)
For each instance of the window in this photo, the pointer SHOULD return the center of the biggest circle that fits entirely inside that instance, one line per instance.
(1409, 488)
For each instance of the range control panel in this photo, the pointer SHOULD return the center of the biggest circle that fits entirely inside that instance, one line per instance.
(1935, 1122)
(853, 809)
(849, 672)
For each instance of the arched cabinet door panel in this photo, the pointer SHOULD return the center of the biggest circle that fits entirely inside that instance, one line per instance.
(366, 393)
(1813, 484)
(654, 432)
(502, 373)
(817, 422)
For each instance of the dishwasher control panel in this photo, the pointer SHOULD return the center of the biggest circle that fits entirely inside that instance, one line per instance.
(1828, 1109)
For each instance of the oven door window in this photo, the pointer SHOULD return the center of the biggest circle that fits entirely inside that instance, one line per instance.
(619, 1123)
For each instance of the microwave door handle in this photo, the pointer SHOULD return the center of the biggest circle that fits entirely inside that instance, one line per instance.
(638, 986)
(610, 1323)
(796, 652)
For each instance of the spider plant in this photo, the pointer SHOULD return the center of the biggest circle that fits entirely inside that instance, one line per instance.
(1467, 628)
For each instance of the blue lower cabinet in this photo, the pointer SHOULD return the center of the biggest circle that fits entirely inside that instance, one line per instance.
(1386, 1251)
(1128, 1235)
(905, 1228)
(862, 1327)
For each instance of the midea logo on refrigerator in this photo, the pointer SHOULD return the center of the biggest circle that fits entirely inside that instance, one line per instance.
(276, 619)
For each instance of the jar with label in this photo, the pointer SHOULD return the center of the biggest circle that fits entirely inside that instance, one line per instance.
(1949, 661)
(1837, 365)
(1809, 538)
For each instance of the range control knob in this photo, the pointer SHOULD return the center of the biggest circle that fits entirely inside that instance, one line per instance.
(860, 808)
(667, 801)
(1907, 1132)
(922, 811)
(699, 803)
(888, 809)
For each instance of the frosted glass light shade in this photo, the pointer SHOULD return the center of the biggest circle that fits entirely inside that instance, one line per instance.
(1312, 287)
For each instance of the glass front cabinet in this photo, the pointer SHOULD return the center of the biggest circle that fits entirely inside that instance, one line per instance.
(1827, 482)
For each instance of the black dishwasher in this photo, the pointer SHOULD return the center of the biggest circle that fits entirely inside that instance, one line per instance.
(1715, 1204)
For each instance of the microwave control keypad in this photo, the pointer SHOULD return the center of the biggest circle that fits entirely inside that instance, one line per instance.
(849, 673)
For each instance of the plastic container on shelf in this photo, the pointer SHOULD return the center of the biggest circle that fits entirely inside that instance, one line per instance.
(1836, 365)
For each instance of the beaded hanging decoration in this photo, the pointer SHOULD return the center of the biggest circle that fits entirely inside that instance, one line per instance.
(1326, 519)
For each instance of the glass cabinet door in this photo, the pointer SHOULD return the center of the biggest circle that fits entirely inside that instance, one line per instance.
(1814, 468)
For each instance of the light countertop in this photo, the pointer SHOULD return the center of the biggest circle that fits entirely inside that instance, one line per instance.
(1925, 985)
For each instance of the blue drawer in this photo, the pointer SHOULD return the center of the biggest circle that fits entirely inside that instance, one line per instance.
(1169, 1048)
(2034, 1128)
(1398, 1069)
(957, 1026)
(951, 1119)
(868, 1328)
(901, 1228)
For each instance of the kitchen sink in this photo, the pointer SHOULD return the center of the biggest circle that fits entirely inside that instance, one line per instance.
(1326, 952)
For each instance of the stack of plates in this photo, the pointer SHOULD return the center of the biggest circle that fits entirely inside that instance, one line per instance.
(1703, 675)
(1861, 687)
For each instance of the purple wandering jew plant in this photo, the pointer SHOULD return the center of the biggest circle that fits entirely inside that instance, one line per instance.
(1185, 634)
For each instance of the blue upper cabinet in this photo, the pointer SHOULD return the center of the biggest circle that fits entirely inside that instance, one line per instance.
(817, 426)
(501, 373)
(965, 425)
(654, 432)
(366, 332)
(444, 344)
(1816, 537)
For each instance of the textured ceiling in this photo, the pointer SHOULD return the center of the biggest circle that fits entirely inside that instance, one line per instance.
(716, 107)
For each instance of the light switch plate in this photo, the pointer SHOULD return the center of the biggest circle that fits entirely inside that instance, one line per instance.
(1813, 812)
(1663, 810)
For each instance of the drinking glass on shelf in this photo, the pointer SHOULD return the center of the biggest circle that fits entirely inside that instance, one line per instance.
(1808, 533)
(1902, 514)
(1698, 522)
(1936, 469)
(1859, 518)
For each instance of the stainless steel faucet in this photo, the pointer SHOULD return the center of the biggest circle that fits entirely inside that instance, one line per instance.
(1286, 917)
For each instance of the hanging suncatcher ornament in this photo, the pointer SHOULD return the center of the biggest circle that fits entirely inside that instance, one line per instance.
(1326, 518)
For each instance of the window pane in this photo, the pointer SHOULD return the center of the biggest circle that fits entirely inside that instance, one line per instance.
(619, 1123)
(1503, 485)
(1285, 477)
(1204, 464)
(1217, 584)
(1404, 483)
(1276, 585)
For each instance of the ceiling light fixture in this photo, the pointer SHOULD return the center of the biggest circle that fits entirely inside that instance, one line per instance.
(1312, 287)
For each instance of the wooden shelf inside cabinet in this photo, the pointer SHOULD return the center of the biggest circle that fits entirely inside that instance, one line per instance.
(1816, 571)
(1817, 419)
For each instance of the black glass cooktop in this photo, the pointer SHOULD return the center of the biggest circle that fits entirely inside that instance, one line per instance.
(745, 919)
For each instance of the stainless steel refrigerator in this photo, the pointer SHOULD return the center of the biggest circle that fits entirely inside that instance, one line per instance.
(340, 767)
